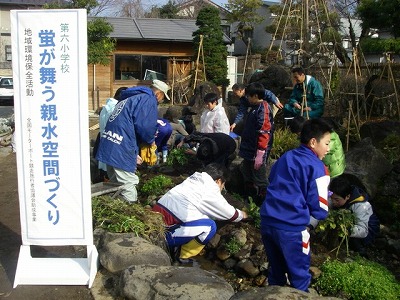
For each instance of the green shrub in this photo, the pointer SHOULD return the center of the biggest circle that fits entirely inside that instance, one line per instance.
(358, 279)
(372, 45)
(177, 156)
(389, 207)
(156, 186)
(254, 212)
(390, 147)
(284, 140)
(336, 228)
(120, 216)
(233, 246)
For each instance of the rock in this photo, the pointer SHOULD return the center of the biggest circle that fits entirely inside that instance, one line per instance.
(171, 282)
(123, 252)
(222, 253)
(230, 263)
(394, 246)
(367, 164)
(391, 185)
(240, 235)
(247, 267)
(236, 181)
(244, 252)
(275, 292)
(260, 280)
(276, 79)
(315, 272)
(378, 131)
(196, 101)
(213, 243)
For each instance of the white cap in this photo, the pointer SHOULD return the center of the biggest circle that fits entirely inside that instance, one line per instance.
(162, 86)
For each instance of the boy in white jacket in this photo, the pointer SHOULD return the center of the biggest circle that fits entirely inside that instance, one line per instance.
(190, 208)
(214, 118)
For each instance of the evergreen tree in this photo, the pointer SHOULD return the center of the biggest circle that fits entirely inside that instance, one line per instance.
(215, 52)
(244, 14)
(169, 10)
(100, 45)
(383, 14)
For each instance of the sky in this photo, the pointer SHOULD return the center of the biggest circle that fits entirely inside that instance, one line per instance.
(219, 2)
(162, 2)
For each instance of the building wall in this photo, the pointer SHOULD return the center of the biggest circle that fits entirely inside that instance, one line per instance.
(5, 40)
(101, 82)
(262, 39)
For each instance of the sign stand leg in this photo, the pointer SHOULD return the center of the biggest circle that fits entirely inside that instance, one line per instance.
(56, 271)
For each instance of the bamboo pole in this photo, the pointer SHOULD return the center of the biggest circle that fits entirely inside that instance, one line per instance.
(245, 59)
(173, 80)
(197, 61)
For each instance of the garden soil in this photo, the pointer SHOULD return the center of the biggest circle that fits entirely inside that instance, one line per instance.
(10, 242)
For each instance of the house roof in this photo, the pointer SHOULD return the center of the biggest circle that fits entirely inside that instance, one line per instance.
(154, 29)
(269, 3)
(196, 2)
(27, 2)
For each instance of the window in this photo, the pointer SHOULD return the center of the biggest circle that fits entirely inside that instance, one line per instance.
(8, 53)
(248, 34)
(134, 67)
(226, 29)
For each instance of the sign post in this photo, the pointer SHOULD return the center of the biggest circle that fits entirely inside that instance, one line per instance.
(49, 49)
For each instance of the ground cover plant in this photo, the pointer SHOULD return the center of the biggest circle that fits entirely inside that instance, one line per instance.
(177, 156)
(156, 186)
(357, 279)
(233, 246)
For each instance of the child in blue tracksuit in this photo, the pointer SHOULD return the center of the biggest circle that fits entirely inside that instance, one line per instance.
(298, 190)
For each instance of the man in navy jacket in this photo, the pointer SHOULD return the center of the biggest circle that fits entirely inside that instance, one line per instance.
(133, 122)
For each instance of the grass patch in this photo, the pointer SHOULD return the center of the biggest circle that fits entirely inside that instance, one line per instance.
(119, 216)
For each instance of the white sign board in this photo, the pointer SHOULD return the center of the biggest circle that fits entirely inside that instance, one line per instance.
(49, 54)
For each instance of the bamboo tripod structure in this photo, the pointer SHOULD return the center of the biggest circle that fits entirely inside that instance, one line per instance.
(391, 78)
(304, 100)
(200, 52)
(351, 115)
(245, 59)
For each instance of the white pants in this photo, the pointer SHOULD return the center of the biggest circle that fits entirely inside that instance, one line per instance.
(129, 179)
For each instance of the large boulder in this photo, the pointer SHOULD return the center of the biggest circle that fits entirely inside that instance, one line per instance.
(276, 292)
(368, 164)
(196, 101)
(173, 282)
(275, 78)
(120, 253)
(378, 131)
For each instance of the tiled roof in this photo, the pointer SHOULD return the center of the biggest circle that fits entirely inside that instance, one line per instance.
(154, 29)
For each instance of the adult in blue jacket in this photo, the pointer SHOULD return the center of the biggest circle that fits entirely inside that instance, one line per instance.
(133, 121)
(311, 106)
